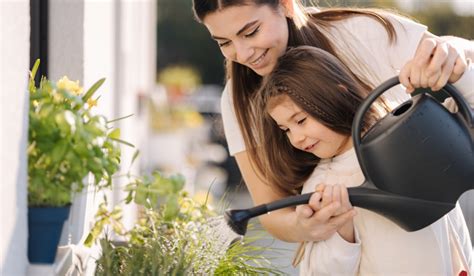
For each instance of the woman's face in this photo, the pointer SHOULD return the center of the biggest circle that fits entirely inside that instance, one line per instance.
(252, 35)
(305, 132)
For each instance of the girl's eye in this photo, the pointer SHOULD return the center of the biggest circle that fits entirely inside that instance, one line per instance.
(223, 44)
(301, 121)
(253, 32)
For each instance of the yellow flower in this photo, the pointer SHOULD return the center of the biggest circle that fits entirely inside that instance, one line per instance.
(57, 97)
(201, 197)
(91, 102)
(72, 86)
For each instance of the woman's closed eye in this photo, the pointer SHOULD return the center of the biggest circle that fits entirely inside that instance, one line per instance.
(223, 44)
(300, 122)
(252, 33)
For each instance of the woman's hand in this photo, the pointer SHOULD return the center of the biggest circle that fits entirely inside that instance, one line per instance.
(328, 212)
(436, 62)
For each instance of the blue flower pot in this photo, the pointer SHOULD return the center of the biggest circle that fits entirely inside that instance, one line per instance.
(44, 231)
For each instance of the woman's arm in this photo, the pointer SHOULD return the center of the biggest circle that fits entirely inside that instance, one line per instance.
(290, 224)
(461, 43)
(465, 85)
(437, 60)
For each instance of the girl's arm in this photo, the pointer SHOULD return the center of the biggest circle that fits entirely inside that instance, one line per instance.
(340, 254)
(334, 256)
(289, 224)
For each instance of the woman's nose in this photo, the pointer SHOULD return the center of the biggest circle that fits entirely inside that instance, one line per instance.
(243, 53)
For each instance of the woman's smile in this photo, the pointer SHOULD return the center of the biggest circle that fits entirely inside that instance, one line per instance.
(258, 63)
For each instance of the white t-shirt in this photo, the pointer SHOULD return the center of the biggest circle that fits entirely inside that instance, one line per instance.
(382, 247)
(368, 41)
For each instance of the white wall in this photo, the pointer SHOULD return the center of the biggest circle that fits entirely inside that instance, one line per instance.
(136, 70)
(88, 40)
(14, 57)
(93, 39)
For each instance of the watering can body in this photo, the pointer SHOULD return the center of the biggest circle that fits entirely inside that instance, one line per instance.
(417, 160)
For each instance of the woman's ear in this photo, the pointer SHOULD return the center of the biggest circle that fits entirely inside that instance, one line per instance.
(288, 7)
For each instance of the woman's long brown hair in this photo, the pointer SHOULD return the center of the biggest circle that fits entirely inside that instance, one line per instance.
(325, 89)
(304, 29)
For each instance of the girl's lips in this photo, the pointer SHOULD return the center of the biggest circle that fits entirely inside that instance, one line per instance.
(311, 147)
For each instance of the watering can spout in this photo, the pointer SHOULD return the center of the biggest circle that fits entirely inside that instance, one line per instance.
(411, 214)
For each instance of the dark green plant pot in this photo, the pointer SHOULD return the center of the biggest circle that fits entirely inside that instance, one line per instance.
(45, 225)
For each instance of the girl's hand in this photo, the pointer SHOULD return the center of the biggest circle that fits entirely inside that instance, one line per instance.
(436, 62)
(324, 216)
(347, 230)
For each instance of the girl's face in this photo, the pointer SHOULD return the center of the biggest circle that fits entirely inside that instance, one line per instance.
(252, 35)
(307, 134)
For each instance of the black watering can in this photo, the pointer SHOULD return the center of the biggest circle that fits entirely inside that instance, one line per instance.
(417, 161)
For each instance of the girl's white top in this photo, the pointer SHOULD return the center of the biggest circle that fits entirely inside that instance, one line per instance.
(382, 247)
(359, 37)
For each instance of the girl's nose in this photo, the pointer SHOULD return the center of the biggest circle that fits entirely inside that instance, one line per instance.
(297, 138)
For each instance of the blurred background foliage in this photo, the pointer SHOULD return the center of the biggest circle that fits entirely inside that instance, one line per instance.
(184, 42)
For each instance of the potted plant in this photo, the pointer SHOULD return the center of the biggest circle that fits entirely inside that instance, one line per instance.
(174, 235)
(66, 143)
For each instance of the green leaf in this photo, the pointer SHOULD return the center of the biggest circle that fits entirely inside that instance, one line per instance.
(66, 122)
(140, 197)
(35, 68)
(115, 134)
(135, 155)
(92, 90)
(123, 142)
(32, 84)
(59, 151)
(172, 207)
(121, 118)
(89, 240)
(177, 182)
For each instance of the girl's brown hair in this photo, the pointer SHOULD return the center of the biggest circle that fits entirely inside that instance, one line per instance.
(325, 89)
(304, 28)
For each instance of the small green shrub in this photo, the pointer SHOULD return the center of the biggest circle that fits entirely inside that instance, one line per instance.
(174, 236)
(66, 141)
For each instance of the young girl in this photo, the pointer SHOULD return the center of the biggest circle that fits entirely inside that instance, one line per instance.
(306, 107)
(253, 34)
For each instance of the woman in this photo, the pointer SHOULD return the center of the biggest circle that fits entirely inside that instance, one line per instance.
(374, 45)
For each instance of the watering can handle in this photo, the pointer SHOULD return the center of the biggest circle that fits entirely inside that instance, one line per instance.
(463, 109)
